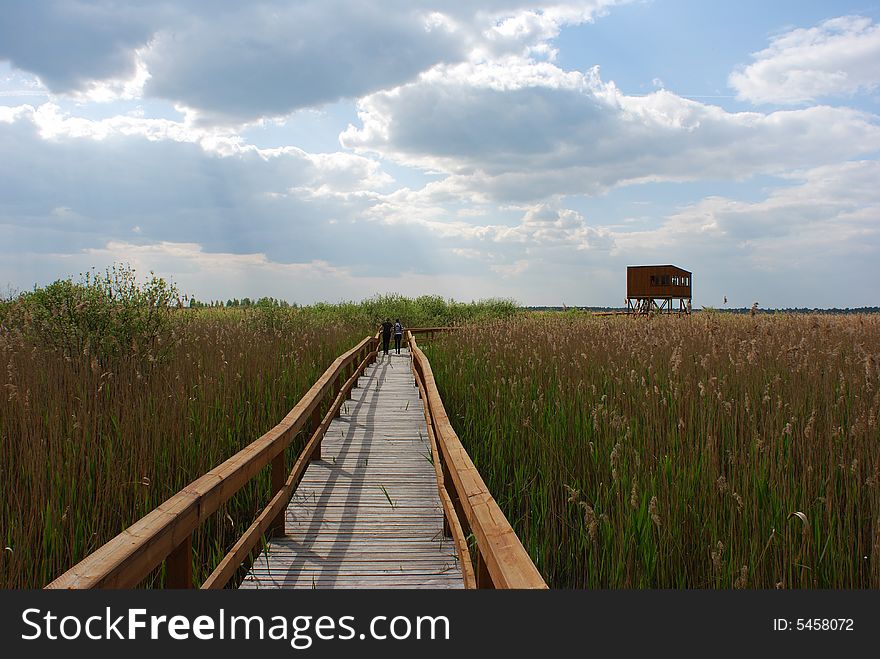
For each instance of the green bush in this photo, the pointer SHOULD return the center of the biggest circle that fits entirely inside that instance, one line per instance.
(106, 315)
(423, 311)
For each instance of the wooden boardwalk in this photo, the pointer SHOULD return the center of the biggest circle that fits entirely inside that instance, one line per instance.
(363, 505)
(367, 514)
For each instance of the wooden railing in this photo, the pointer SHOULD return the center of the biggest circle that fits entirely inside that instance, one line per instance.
(500, 560)
(430, 332)
(165, 534)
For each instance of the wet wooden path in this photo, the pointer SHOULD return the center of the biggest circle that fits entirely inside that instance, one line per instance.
(367, 514)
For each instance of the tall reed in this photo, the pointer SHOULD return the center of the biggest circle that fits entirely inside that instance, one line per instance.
(96, 431)
(704, 452)
(85, 451)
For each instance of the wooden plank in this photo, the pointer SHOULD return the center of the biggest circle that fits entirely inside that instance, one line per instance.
(385, 578)
(342, 531)
(447, 572)
(351, 564)
(358, 584)
(363, 550)
(379, 578)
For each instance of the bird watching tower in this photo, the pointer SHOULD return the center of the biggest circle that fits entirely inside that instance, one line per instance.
(655, 288)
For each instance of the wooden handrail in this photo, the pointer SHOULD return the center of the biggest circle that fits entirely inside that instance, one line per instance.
(501, 560)
(251, 538)
(166, 532)
(426, 330)
(451, 524)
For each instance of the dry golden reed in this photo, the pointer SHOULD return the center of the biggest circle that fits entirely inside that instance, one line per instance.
(85, 451)
(682, 433)
(95, 434)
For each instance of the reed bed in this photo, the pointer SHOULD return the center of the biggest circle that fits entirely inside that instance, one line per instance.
(704, 452)
(86, 450)
(106, 409)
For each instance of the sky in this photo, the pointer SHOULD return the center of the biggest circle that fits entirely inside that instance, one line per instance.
(333, 150)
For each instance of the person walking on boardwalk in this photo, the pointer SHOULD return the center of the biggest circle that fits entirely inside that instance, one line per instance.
(386, 335)
(398, 335)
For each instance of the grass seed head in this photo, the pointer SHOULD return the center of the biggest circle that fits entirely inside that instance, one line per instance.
(654, 512)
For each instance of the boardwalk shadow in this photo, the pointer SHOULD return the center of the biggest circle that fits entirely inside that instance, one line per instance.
(335, 474)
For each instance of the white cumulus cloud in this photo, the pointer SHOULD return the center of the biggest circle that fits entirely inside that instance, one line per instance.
(522, 130)
(839, 57)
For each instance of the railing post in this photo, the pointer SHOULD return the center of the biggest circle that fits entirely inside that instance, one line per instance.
(315, 422)
(453, 496)
(178, 565)
(337, 387)
(484, 579)
(279, 475)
